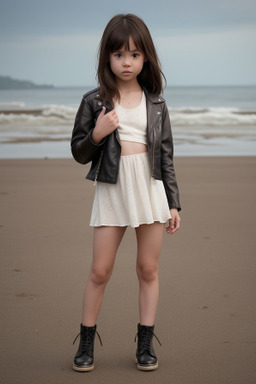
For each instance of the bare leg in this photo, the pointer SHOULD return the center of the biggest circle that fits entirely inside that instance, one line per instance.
(106, 241)
(149, 240)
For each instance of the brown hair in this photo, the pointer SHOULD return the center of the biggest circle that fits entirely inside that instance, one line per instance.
(116, 36)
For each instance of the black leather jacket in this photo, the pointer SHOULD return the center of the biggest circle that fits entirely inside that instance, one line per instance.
(106, 155)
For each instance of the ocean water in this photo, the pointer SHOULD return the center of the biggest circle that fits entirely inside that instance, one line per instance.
(206, 121)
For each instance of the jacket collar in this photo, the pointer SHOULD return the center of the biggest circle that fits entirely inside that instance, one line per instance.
(155, 99)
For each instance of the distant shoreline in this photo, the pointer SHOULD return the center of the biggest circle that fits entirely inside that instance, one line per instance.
(8, 83)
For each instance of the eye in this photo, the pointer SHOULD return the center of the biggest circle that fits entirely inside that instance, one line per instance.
(118, 55)
(135, 55)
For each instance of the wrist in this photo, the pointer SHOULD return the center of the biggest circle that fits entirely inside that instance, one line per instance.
(96, 136)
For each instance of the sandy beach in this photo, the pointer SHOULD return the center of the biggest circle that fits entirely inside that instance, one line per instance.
(206, 316)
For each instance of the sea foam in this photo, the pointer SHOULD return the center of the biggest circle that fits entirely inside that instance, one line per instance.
(212, 116)
(185, 116)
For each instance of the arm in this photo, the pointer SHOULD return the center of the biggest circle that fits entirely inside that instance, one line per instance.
(88, 140)
(167, 167)
(83, 147)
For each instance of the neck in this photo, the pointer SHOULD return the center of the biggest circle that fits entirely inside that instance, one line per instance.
(128, 86)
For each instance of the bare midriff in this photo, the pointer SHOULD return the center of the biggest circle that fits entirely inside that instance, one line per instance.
(132, 148)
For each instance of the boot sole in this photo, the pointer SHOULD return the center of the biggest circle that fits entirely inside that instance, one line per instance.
(146, 367)
(83, 369)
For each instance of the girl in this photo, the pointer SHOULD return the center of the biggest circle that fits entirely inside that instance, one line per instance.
(123, 129)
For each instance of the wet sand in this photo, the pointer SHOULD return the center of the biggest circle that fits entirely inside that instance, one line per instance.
(206, 316)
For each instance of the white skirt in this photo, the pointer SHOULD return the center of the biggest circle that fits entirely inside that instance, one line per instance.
(135, 199)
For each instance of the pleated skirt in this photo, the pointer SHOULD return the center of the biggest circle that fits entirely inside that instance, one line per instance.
(135, 199)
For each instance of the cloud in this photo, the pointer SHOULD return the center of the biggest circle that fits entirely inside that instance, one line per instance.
(199, 42)
(82, 16)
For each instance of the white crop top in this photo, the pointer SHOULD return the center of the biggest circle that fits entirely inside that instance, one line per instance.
(133, 122)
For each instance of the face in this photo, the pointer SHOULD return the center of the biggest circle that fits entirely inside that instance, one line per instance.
(127, 65)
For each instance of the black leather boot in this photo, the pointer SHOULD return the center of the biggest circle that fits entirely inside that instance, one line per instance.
(145, 356)
(84, 358)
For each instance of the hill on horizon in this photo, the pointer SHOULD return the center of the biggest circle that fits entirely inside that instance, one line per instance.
(7, 82)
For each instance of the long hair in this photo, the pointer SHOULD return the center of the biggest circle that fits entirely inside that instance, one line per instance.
(116, 36)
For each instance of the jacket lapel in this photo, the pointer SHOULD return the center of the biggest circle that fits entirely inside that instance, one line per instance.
(154, 110)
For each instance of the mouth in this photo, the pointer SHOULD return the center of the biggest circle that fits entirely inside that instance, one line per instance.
(126, 72)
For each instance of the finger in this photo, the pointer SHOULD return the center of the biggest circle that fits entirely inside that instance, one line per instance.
(112, 116)
(173, 226)
(168, 228)
(102, 112)
(176, 226)
(115, 119)
(115, 116)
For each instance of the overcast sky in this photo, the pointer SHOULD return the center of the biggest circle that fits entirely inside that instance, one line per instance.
(199, 42)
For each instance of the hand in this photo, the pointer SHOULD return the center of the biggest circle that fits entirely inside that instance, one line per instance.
(106, 124)
(174, 222)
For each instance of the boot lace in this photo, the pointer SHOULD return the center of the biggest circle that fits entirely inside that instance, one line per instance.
(87, 341)
(145, 338)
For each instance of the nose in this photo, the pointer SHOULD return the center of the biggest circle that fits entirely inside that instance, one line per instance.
(126, 62)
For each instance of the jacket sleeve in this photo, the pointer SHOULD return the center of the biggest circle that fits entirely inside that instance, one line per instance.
(168, 172)
(82, 146)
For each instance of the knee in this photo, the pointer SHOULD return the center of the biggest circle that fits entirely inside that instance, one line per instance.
(100, 276)
(147, 273)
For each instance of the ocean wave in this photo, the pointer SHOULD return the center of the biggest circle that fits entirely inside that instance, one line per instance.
(61, 115)
(47, 115)
(212, 116)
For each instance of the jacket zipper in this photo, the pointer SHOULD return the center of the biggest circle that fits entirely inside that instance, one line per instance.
(98, 168)
(100, 160)
(153, 157)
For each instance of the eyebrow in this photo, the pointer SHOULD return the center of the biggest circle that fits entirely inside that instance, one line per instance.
(134, 50)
